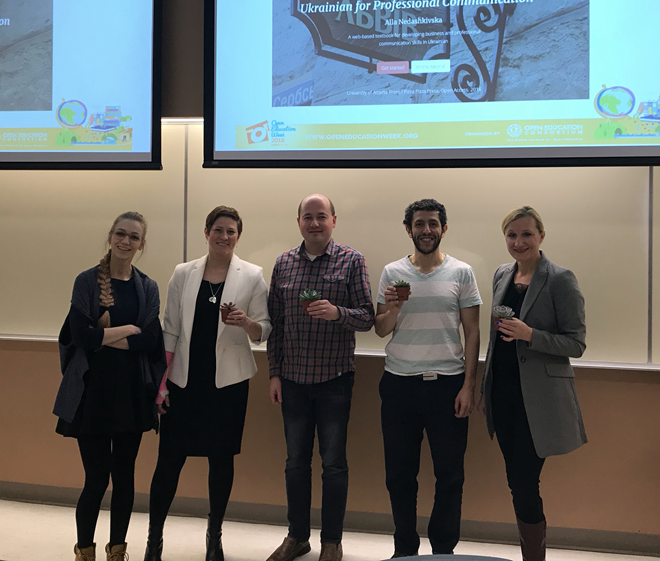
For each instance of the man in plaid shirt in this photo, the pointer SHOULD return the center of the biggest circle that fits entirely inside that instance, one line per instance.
(312, 362)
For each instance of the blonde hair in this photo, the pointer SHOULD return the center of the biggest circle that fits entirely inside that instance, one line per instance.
(103, 277)
(523, 212)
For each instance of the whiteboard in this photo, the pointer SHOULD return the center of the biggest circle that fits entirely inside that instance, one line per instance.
(54, 225)
(596, 222)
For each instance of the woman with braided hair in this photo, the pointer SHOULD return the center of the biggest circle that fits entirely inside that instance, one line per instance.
(113, 358)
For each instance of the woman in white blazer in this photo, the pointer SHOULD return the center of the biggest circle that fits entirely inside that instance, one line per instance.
(210, 363)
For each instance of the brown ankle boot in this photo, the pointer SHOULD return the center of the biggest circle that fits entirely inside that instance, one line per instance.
(116, 552)
(532, 540)
(86, 553)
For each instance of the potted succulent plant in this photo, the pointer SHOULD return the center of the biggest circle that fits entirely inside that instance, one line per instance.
(502, 312)
(402, 290)
(226, 309)
(308, 296)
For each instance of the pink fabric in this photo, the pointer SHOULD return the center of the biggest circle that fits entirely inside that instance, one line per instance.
(162, 391)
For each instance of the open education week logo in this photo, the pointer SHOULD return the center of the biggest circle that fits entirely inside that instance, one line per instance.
(274, 130)
(257, 133)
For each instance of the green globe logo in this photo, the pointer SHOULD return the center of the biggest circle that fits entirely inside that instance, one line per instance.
(615, 103)
(71, 114)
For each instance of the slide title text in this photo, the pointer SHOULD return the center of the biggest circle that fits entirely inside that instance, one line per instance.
(347, 6)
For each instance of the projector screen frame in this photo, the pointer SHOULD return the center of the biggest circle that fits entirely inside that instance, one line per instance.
(388, 158)
(156, 114)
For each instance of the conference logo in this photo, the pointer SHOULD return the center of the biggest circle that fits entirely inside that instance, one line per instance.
(257, 133)
(514, 131)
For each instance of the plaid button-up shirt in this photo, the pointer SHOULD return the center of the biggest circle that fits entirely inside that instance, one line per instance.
(309, 350)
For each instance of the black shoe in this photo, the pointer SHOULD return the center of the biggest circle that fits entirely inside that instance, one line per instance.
(214, 540)
(154, 544)
(399, 554)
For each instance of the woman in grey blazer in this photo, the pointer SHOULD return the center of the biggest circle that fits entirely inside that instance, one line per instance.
(528, 392)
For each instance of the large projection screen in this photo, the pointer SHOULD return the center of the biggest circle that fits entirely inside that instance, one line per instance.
(431, 82)
(80, 84)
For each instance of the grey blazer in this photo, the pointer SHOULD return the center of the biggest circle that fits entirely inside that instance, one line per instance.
(554, 309)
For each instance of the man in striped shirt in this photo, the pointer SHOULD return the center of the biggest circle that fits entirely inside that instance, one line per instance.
(312, 362)
(429, 378)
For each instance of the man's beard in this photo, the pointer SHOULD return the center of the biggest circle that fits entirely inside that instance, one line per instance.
(426, 251)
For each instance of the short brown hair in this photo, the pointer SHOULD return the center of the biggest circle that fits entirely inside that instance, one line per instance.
(226, 211)
(523, 212)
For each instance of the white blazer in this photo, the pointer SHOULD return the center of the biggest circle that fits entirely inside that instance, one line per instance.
(246, 288)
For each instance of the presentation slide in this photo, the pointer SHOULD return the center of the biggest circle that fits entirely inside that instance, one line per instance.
(76, 80)
(408, 79)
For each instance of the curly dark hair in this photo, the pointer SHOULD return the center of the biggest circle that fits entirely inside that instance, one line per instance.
(425, 204)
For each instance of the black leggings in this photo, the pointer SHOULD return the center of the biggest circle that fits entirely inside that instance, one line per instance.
(166, 480)
(103, 457)
(523, 465)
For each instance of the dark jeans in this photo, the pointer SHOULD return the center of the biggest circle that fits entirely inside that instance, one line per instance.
(104, 457)
(409, 407)
(523, 466)
(166, 480)
(325, 408)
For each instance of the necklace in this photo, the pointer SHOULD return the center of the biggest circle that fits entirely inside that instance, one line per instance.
(213, 298)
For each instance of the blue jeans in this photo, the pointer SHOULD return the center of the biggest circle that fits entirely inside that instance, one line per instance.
(325, 408)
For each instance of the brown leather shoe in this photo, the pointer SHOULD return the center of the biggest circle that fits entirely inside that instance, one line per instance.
(290, 549)
(331, 552)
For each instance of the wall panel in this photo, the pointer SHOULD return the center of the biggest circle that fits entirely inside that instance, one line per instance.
(54, 225)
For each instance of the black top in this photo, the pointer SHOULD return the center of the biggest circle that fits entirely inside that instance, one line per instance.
(505, 356)
(114, 399)
(202, 365)
(203, 420)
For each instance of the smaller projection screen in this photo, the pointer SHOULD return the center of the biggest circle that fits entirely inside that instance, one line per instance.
(80, 84)
(441, 82)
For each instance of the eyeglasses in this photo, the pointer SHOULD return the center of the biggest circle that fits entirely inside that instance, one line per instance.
(120, 235)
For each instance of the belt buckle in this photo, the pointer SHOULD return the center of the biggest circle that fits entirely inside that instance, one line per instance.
(429, 376)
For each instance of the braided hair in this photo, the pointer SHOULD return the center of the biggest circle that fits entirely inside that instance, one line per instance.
(103, 278)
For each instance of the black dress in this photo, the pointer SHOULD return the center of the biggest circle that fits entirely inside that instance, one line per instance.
(204, 420)
(114, 400)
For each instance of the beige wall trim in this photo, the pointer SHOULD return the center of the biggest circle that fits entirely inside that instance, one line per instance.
(471, 530)
(377, 353)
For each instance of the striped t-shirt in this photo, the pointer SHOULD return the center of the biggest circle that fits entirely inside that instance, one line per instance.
(426, 336)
